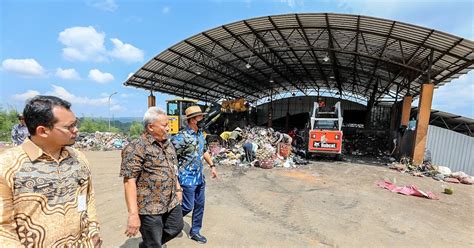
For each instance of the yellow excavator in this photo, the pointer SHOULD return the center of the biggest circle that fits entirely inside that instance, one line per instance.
(175, 109)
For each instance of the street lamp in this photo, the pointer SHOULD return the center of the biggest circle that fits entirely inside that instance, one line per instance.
(109, 106)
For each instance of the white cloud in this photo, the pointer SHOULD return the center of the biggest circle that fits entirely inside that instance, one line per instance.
(372, 7)
(125, 95)
(117, 108)
(125, 52)
(77, 101)
(23, 67)
(100, 77)
(133, 19)
(129, 75)
(291, 3)
(61, 92)
(107, 5)
(166, 10)
(455, 13)
(25, 96)
(456, 97)
(83, 44)
(87, 44)
(67, 74)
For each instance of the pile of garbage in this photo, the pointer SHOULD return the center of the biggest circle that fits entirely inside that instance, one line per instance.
(100, 141)
(440, 173)
(366, 144)
(256, 146)
(5, 144)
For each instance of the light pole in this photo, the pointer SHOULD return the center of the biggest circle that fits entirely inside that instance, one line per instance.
(109, 106)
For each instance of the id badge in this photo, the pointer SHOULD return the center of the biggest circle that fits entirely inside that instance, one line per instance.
(81, 203)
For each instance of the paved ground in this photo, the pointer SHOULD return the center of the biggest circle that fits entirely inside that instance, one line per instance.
(323, 204)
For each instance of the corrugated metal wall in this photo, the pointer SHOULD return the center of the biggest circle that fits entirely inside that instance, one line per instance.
(380, 118)
(296, 105)
(451, 149)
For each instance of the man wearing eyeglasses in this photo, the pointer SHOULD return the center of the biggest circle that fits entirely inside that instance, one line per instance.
(46, 195)
(19, 131)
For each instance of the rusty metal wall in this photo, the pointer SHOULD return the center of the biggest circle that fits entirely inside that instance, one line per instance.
(296, 105)
(451, 149)
(380, 118)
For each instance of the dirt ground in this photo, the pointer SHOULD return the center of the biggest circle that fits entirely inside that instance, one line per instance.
(325, 203)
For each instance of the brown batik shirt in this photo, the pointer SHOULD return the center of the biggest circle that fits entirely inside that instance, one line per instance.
(154, 166)
(46, 202)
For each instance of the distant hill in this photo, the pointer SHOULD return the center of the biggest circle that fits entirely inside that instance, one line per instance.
(119, 119)
(128, 119)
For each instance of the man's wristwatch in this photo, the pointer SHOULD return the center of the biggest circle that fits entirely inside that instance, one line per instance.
(212, 166)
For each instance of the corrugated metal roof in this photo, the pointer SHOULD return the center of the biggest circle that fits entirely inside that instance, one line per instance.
(313, 52)
(457, 123)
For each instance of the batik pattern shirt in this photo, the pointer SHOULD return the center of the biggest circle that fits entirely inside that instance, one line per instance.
(189, 147)
(19, 134)
(46, 202)
(154, 166)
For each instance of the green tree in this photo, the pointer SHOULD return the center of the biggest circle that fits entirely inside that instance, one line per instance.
(8, 118)
(90, 125)
(136, 129)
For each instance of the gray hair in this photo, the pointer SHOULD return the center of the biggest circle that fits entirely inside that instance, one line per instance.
(151, 115)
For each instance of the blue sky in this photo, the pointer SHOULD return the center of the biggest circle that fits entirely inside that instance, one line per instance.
(84, 50)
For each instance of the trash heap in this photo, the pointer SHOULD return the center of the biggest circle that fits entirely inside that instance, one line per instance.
(256, 146)
(5, 144)
(440, 173)
(374, 144)
(100, 141)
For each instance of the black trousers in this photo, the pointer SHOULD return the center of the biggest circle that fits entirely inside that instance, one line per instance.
(158, 229)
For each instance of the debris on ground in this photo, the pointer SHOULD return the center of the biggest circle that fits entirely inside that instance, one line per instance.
(5, 144)
(448, 191)
(406, 190)
(440, 173)
(374, 144)
(257, 146)
(100, 141)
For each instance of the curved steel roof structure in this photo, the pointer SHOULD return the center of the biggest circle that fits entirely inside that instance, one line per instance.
(355, 56)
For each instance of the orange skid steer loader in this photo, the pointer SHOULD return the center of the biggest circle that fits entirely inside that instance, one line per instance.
(325, 135)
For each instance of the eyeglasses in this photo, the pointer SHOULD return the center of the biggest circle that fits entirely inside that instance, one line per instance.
(69, 128)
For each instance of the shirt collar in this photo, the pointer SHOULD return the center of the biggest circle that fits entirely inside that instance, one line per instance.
(34, 152)
(191, 131)
(149, 138)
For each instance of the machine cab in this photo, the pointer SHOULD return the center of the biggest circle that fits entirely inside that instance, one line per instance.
(175, 110)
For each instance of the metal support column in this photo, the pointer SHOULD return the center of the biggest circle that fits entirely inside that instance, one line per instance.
(151, 100)
(406, 108)
(270, 110)
(424, 111)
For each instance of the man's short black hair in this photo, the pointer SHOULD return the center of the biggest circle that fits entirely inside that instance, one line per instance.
(39, 111)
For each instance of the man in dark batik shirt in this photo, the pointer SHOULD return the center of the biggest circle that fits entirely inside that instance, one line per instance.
(152, 191)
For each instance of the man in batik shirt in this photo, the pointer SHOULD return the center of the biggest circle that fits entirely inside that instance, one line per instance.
(152, 192)
(189, 144)
(46, 195)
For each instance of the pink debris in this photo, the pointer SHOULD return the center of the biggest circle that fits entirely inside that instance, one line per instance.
(467, 180)
(406, 190)
(451, 180)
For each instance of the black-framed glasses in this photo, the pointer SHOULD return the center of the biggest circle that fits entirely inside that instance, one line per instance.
(69, 128)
